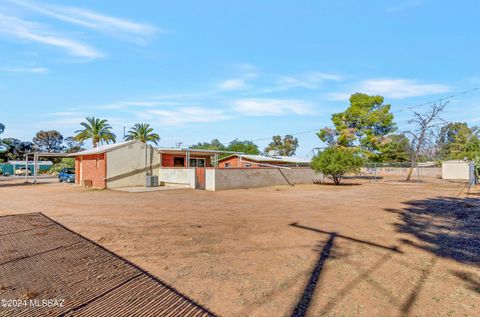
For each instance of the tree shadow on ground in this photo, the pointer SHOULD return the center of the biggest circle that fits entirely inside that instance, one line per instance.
(471, 279)
(448, 227)
(325, 253)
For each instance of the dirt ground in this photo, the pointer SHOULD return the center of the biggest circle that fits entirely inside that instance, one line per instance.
(371, 249)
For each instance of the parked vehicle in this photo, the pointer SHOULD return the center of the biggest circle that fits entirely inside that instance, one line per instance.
(22, 171)
(67, 175)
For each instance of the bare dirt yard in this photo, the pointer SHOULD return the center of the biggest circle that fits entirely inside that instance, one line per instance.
(371, 249)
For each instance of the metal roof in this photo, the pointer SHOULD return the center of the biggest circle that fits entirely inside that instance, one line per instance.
(30, 162)
(196, 151)
(104, 148)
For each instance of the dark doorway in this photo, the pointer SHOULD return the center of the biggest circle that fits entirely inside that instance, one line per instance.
(178, 161)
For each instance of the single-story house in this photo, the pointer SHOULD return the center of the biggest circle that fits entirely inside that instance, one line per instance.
(257, 161)
(129, 163)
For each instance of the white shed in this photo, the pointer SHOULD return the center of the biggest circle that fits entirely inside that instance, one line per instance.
(458, 170)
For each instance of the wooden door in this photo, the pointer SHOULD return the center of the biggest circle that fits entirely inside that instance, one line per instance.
(200, 178)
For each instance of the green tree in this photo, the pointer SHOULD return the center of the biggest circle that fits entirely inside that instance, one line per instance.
(2, 128)
(96, 129)
(142, 132)
(365, 123)
(285, 147)
(247, 147)
(73, 145)
(457, 141)
(336, 161)
(215, 144)
(48, 141)
(394, 148)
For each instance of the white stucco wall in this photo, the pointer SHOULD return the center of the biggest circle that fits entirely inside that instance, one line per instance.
(183, 176)
(219, 179)
(457, 170)
(210, 179)
(126, 165)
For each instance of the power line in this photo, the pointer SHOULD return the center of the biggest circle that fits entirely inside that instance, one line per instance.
(438, 100)
(465, 92)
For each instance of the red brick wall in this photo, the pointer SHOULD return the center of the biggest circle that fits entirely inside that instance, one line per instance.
(94, 168)
(168, 159)
(234, 162)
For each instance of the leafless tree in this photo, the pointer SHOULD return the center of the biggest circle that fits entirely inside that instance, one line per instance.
(424, 133)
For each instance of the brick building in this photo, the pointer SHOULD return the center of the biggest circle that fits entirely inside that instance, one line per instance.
(258, 161)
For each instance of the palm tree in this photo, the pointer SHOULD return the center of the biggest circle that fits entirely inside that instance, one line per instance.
(142, 132)
(96, 129)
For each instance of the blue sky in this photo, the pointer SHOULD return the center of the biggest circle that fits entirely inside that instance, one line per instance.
(197, 70)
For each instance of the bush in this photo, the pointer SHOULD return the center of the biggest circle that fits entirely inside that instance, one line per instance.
(335, 161)
(64, 163)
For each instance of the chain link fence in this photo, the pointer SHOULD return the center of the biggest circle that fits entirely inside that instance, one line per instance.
(399, 171)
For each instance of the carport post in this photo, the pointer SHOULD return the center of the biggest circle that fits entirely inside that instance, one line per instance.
(26, 168)
(35, 167)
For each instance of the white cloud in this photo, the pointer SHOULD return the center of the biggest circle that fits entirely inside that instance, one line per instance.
(37, 70)
(308, 81)
(395, 88)
(93, 20)
(271, 107)
(311, 80)
(34, 32)
(188, 115)
(232, 84)
(338, 96)
(401, 88)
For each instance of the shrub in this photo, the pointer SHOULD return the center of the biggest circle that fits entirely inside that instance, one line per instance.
(64, 163)
(335, 161)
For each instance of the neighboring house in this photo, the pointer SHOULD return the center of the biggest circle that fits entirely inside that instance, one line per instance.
(257, 161)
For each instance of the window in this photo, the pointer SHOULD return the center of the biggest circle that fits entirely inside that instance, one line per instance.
(227, 165)
(248, 165)
(197, 162)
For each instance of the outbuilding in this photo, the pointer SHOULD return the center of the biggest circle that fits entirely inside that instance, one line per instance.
(458, 170)
(258, 161)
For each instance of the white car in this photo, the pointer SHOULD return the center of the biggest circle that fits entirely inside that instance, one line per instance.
(21, 171)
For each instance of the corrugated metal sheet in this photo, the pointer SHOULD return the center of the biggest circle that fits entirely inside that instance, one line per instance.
(42, 260)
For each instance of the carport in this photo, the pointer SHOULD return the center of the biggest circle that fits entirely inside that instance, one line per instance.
(36, 156)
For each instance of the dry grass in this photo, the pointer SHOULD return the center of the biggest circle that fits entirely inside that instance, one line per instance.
(388, 248)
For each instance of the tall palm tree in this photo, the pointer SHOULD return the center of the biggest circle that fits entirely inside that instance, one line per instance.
(96, 129)
(142, 132)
